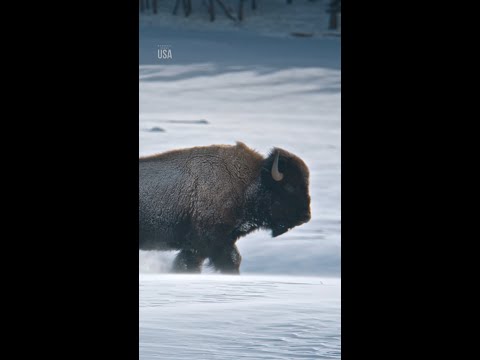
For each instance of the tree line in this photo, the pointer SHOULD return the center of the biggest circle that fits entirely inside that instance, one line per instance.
(333, 8)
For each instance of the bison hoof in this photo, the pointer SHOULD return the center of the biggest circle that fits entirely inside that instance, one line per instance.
(187, 262)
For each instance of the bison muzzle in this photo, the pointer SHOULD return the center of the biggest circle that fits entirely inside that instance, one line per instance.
(203, 199)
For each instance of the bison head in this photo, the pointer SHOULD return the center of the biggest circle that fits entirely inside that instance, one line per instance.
(285, 178)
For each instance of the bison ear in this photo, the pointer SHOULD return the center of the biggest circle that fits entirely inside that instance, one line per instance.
(276, 174)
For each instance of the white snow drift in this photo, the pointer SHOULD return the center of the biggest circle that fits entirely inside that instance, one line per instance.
(211, 317)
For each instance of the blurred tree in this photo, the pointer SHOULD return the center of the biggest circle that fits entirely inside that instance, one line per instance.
(334, 9)
(187, 7)
(211, 10)
(226, 10)
(175, 8)
(145, 4)
(240, 8)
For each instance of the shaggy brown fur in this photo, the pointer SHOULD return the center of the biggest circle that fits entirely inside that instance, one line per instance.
(203, 199)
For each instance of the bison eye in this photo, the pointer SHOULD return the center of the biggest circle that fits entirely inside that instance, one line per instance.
(289, 188)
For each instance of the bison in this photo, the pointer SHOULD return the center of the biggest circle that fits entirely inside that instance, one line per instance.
(201, 200)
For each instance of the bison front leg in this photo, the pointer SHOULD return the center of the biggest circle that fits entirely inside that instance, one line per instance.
(188, 261)
(226, 260)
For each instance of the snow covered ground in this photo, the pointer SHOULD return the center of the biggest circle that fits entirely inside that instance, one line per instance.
(211, 317)
(250, 82)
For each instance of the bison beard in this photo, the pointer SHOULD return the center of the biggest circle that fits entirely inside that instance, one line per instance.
(203, 199)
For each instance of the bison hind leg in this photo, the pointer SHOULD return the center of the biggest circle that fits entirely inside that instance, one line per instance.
(188, 261)
(226, 260)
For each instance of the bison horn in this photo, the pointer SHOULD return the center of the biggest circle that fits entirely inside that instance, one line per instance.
(277, 175)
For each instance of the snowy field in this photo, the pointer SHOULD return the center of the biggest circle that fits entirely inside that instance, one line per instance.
(238, 317)
(254, 83)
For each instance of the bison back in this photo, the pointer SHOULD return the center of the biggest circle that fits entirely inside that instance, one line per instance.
(193, 197)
